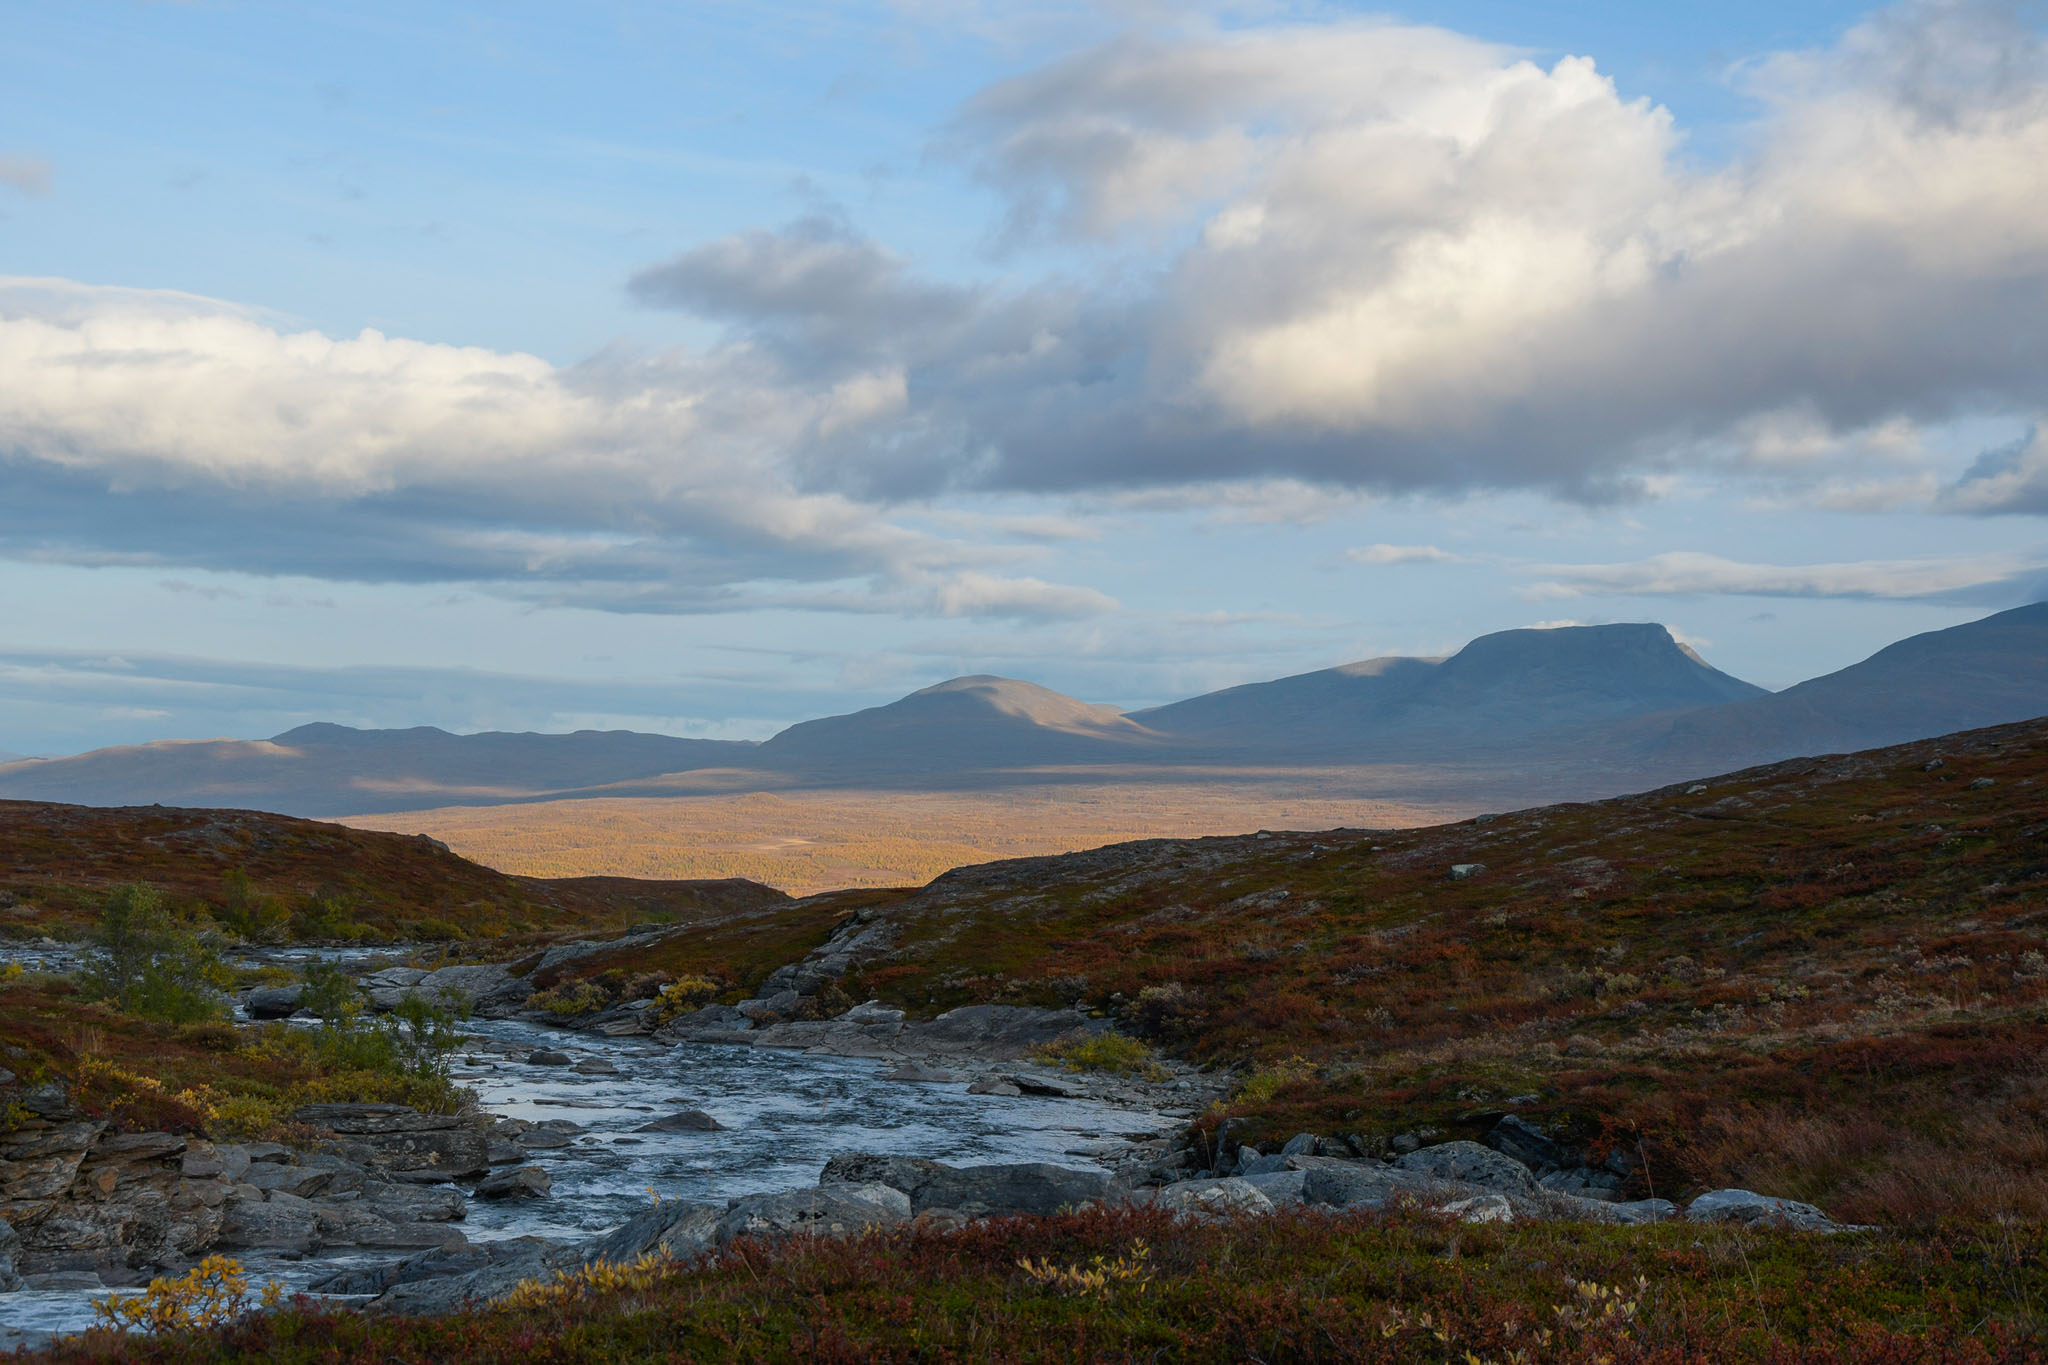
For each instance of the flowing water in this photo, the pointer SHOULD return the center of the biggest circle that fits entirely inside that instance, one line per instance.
(784, 1114)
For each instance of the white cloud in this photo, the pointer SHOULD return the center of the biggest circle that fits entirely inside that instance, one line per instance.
(1402, 554)
(1682, 574)
(978, 594)
(647, 485)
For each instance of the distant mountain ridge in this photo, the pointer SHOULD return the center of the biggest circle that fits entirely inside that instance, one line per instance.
(1599, 708)
(1507, 684)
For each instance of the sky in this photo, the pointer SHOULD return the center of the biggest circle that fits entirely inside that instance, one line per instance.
(702, 368)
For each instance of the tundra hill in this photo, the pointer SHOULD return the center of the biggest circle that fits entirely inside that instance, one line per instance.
(1512, 683)
(1826, 978)
(319, 770)
(274, 874)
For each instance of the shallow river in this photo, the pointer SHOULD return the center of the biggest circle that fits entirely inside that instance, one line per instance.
(785, 1114)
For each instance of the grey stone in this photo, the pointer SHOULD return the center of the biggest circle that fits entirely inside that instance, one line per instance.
(1225, 1198)
(272, 1002)
(1344, 1185)
(873, 1012)
(674, 1228)
(280, 1223)
(998, 1032)
(1751, 1209)
(1022, 1187)
(1301, 1144)
(549, 1056)
(409, 1203)
(10, 1254)
(993, 1085)
(1516, 1137)
(1404, 1143)
(1644, 1211)
(1586, 1182)
(1255, 1164)
(1481, 1208)
(521, 1182)
(1470, 1164)
(688, 1121)
(922, 1074)
(1462, 871)
(596, 1066)
(62, 1281)
(1281, 1187)
(709, 1024)
(371, 1119)
(820, 1212)
(488, 988)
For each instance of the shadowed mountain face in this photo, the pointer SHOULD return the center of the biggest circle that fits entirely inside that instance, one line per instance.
(1513, 683)
(1590, 709)
(1989, 672)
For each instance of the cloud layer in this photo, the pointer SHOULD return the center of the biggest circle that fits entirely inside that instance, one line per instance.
(1307, 257)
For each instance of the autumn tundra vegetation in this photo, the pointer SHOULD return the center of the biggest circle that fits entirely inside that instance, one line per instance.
(1825, 979)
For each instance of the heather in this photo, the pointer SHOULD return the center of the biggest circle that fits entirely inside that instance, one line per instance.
(1110, 1284)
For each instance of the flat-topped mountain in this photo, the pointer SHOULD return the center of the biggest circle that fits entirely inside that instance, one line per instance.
(1511, 683)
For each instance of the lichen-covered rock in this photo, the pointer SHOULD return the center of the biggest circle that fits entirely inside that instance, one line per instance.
(1468, 1163)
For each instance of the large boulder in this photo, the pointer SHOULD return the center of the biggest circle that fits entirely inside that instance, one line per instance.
(974, 1191)
(1232, 1196)
(280, 1223)
(487, 988)
(1348, 1184)
(674, 1228)
(272, 1002)
(820, 1212)
(684, 1121)
(520, 1182)
(1468, 1163)
(996, 1032)
(1516, 1137)
(401, 1141)
(1758, 1210)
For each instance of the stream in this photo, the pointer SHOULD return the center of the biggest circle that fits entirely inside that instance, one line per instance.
(785, 1113)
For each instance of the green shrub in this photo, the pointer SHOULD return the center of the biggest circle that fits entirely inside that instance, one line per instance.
(150, 964)
(1110, 1052)
(569, 999)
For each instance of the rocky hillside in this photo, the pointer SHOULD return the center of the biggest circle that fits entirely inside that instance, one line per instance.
(1826, 977)
(277, 876)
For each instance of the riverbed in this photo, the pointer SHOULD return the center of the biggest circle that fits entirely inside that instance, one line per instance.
(783, 1113)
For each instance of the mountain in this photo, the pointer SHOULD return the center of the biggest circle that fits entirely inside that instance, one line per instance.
(1988, 672)
(963, 725)
(334, 770)
(1513, 683)
(1578, 712)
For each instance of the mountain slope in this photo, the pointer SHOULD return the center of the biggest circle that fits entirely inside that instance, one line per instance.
(1988, 672)
(962, 725)
(321, 769)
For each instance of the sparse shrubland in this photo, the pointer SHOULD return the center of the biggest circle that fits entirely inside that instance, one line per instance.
(1129, 1285)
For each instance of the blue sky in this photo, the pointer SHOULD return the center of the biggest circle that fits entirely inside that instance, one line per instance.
(703, 368)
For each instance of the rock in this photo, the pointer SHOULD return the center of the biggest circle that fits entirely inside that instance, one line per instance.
(10, 1254)
(1404, 1143)
(1481, 1208)
(488, 988)
(542, 1140)
(521, 1182)
(873, 1012)
(1462, 871)
(1470, 1164)
(1225, 1198)
(1255, 1164)
(1643, 1211)
(688, 1121)
(63, 1281)
(1979, 784)
(596, 1066)
(674, 1228)
(408, 1203)
(1586, 1182)
(40, 1161)
(1345, 1185)
(387, 988)
(363, 1119)
(973, 1191)
(997, 1032)
(992, 1084)
(549, 1056)
(821, 1212)
(1750, 1209)
(1281, 1187)
(712, 1023)
(888, 1196)
(280, 1223)
(272, 1002)
(1301, 1144)
(1516, 1137)
(1022, 1187)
